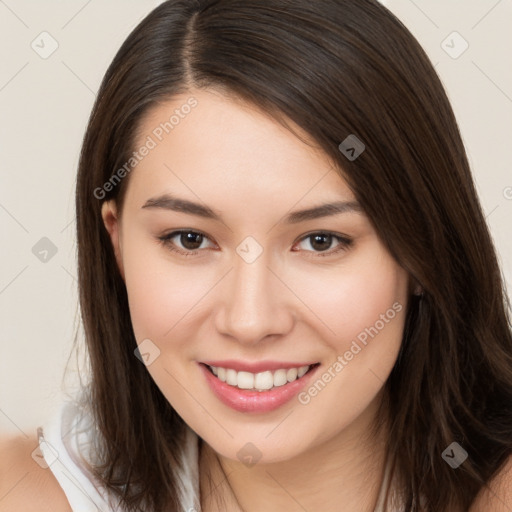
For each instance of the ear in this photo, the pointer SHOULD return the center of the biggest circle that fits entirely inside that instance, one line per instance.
(112, 225)
(415, 287)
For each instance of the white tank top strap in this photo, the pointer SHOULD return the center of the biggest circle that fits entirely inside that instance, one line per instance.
(55, 441)
(67, 439)
(188, 479)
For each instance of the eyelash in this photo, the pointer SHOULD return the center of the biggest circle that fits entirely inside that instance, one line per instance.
(344, 242)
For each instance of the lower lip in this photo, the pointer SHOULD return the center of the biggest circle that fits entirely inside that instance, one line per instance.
(255, 401)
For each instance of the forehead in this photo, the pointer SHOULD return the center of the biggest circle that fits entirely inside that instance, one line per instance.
(222, 145)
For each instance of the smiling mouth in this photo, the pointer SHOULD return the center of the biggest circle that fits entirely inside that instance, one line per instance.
(262, 381)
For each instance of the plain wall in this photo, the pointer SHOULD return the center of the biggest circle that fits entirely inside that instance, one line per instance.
(45, 104)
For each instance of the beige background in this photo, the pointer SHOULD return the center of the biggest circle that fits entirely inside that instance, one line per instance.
(45, 103)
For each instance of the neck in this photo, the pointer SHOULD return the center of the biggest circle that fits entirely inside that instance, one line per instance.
(344, 473)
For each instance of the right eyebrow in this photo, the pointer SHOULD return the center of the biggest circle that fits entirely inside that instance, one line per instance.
(168, 202)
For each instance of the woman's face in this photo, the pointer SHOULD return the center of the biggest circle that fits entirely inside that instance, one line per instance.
(264, 283)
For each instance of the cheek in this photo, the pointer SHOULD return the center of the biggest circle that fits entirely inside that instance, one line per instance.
(160, 293)
(344, 302)
(356, 297)
(364, 307)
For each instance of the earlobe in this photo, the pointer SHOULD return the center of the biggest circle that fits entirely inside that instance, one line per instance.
(415, 287)
(111, 222)
(418, 290)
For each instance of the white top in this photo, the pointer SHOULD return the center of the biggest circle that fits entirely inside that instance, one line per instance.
(69, 433)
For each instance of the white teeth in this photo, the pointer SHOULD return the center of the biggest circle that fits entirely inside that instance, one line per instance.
(221, 374)
(264, 380)
(231, 377)
(291, 374)
(260, 381)
(280, 378)
(302, 371)
(245, 380)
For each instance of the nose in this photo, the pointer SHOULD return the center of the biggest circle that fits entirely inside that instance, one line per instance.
(255, 304)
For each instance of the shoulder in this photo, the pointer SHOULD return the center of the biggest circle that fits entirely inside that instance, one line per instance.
(25, 484)
(497, 496)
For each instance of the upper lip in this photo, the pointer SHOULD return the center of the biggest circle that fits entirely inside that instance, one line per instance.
(256, 367)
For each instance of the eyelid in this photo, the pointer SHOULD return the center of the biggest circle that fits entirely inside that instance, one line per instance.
(344, 241)
(166, 241)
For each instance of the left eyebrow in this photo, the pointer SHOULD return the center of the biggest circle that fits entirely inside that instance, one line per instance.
(168, 202)
(324, 210)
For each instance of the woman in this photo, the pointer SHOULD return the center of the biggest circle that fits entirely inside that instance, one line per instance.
(290, 297)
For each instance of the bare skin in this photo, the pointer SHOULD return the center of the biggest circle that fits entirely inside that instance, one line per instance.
(289, 304)
(355, 469)
(295, 302)
(25, 485)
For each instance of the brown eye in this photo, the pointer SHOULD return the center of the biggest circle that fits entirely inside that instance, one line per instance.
(186, 242)
(190, 240)
(321, 242)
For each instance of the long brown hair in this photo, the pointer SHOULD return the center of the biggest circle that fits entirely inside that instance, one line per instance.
(335, 68)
